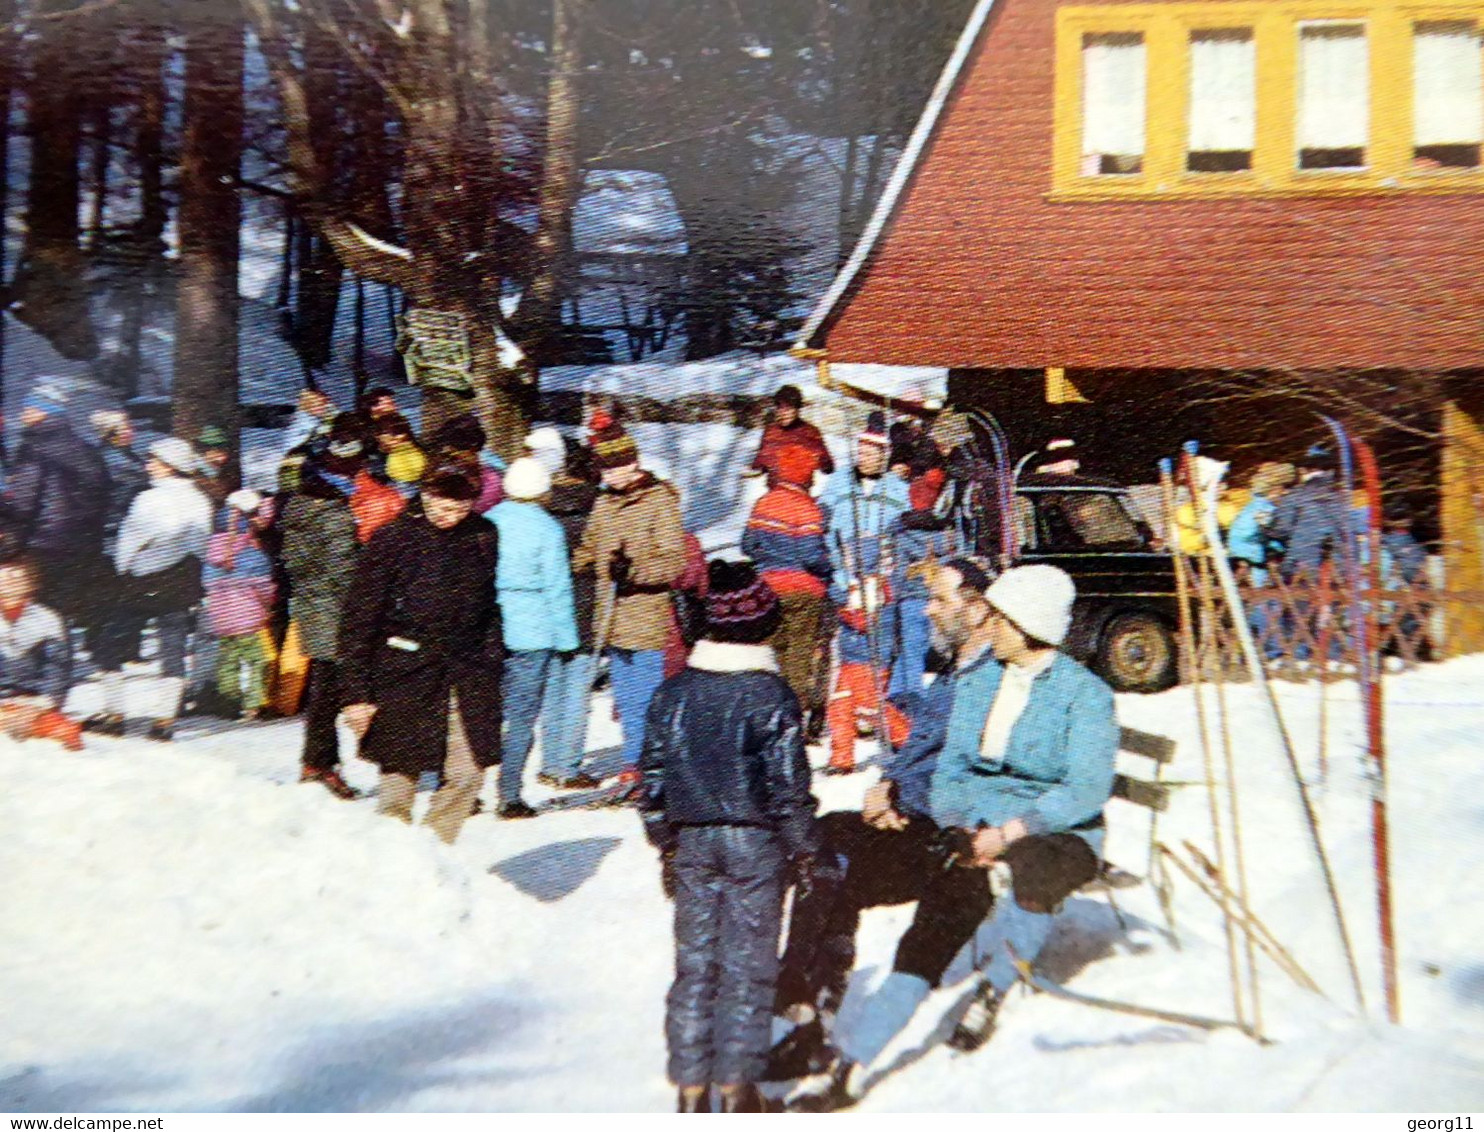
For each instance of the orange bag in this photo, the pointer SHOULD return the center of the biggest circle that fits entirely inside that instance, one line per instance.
(287, 672)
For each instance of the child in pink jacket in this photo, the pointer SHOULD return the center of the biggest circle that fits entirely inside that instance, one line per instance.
(238, 579)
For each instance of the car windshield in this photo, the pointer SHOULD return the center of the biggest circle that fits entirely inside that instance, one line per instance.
(1088, 519)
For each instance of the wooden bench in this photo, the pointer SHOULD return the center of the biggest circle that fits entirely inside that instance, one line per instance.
(1151, 793)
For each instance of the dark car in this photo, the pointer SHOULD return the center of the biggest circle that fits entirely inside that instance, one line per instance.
(1125, 621)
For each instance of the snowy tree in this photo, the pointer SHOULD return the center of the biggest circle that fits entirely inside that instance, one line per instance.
(431, 60)
(210, 219)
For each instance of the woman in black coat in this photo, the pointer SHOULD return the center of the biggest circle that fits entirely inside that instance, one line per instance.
(420, 651)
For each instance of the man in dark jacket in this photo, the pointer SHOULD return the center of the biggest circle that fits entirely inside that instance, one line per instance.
(421, 650)
(725, 798)
(56, 502)
(126, 474)
(1311, 521)
(319, 550)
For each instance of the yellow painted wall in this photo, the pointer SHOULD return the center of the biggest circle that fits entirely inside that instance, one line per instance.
(1166, 29)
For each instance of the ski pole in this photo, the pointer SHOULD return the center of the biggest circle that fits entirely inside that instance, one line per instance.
(1264, 938)
(600, 638)
(1213, 805)
(1204, 512)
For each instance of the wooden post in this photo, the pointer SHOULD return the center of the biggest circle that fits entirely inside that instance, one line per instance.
(1463, 525)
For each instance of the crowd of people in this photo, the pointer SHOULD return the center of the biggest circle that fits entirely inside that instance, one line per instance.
(451, 606)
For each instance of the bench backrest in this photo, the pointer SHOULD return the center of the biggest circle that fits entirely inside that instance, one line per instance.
(1150, 793)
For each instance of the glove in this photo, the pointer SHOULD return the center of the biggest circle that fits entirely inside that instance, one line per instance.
(668, 879)
(620, 566)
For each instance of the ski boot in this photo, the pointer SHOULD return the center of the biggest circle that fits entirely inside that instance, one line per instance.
(977, 1025)
(510, 811)
(689, 1100)
(841, 1091)
(801, 1052)
(745, 1099)
(105, 723)
(161, 731)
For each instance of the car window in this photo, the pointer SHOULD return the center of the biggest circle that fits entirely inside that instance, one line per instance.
(1025, 523)
(1087, 520)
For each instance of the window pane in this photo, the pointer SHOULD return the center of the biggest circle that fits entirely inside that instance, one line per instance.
(1076, 519)
(1334, 96)
(1112, 103)
(1223, 100)
(1447, 95)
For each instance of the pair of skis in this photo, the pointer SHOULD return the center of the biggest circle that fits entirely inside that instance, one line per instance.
(1002, 494)
(1365, 601)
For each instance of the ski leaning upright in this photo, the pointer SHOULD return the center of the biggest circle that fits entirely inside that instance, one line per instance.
(1365, 605)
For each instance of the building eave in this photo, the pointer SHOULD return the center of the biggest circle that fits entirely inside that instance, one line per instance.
(895, 191)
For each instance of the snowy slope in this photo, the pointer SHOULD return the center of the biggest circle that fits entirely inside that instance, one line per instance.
(186, 928)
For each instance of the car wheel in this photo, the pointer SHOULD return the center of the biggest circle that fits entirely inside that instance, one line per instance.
(1137, 654)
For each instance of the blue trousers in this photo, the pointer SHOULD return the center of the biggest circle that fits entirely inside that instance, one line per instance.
(524, 682)
(569, 683)
(635, 674)
(728, 911)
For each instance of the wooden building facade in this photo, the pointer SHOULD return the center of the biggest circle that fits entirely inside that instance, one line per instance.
(1123, 218)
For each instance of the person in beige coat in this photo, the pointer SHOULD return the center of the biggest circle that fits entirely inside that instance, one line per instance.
(635, 544)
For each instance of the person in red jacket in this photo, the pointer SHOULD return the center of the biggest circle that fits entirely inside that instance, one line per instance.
(785, 537)
(787, 430)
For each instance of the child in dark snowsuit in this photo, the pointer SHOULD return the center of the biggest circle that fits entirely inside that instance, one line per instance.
(726, 800)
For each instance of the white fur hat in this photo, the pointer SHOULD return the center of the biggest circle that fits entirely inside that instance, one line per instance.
(1037, 598)
(175, 453)
(245, 500)
(546, 446)
(526, 479)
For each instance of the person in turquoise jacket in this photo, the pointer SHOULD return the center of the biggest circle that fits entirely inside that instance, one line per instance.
(1017, 798)
(533, 582)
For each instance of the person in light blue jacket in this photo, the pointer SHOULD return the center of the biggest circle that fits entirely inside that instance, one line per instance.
(1017, 797)
(534, 585)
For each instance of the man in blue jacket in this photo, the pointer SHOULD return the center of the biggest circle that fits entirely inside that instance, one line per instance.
(883, 853)
(1024, 771)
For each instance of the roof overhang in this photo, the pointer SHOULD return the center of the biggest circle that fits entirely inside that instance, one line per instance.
(892, 196)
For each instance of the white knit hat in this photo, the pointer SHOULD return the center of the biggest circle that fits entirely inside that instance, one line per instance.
(175, 453)
(1038, 599)
(546, 446)
(106, 422)
(527, 479)
(245, 500)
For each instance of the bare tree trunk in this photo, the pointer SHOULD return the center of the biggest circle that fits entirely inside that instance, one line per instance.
(539, 319)
(205, 383)
(436, 265)
(98, 178)
(7, 78)
(844, 239)
(50, 291)
(146, 82)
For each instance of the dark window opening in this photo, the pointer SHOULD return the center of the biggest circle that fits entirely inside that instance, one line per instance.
(1352, 157)
(1445, 157)
(1219, 161)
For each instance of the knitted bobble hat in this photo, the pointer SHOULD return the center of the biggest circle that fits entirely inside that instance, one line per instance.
(741, 608)
(612, 446)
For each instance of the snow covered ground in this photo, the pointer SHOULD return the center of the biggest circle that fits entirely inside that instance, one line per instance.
(186, 928)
